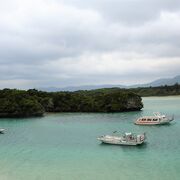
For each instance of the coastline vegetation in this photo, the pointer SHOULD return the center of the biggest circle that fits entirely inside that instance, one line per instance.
(157, 91)
(21, 103)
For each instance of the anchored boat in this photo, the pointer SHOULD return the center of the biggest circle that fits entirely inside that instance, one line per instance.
(158, 118)
(124, 139)
(2, 131)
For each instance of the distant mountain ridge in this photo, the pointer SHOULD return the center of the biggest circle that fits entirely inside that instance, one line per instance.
(158, 82)
(76, 88)
(167, 81)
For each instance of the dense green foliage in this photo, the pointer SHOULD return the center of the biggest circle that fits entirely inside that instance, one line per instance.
(158, 91)
(16, 103)
(20, 103)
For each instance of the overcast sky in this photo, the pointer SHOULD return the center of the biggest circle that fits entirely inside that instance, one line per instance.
(88, 42)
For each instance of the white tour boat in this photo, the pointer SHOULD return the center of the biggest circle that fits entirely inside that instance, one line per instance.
(125, 139)
(158, 118)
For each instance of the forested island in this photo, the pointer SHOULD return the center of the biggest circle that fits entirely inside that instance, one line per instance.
(157, 91)
(21, 103)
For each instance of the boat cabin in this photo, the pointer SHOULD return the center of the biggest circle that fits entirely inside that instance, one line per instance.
(144, 119)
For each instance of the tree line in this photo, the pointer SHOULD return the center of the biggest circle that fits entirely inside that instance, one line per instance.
(22, 103)
(26, 103)
(158, 91)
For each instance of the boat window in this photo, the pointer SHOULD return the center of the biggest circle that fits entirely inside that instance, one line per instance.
(154, 119)
(148, 119)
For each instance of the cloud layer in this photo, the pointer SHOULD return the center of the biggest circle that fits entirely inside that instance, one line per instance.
(75, 42)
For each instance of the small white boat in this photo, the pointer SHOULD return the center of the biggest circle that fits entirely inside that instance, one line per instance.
(2, 131)
(124, 139)
(158, 118)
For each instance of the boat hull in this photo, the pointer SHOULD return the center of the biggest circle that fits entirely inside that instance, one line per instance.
(122, 143)
(152, 123)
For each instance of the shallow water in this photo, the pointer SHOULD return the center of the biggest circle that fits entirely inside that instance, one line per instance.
(63, 146)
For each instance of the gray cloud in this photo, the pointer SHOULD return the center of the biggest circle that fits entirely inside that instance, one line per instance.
(62, 43)
(128, 11)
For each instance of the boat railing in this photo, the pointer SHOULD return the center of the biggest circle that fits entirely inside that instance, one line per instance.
(158, 114)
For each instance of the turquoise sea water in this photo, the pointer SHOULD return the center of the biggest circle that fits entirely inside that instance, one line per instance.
(63, 146)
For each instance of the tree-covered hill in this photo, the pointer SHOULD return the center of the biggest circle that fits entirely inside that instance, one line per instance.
(158, 91)
(21, 103)
(17, 103)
